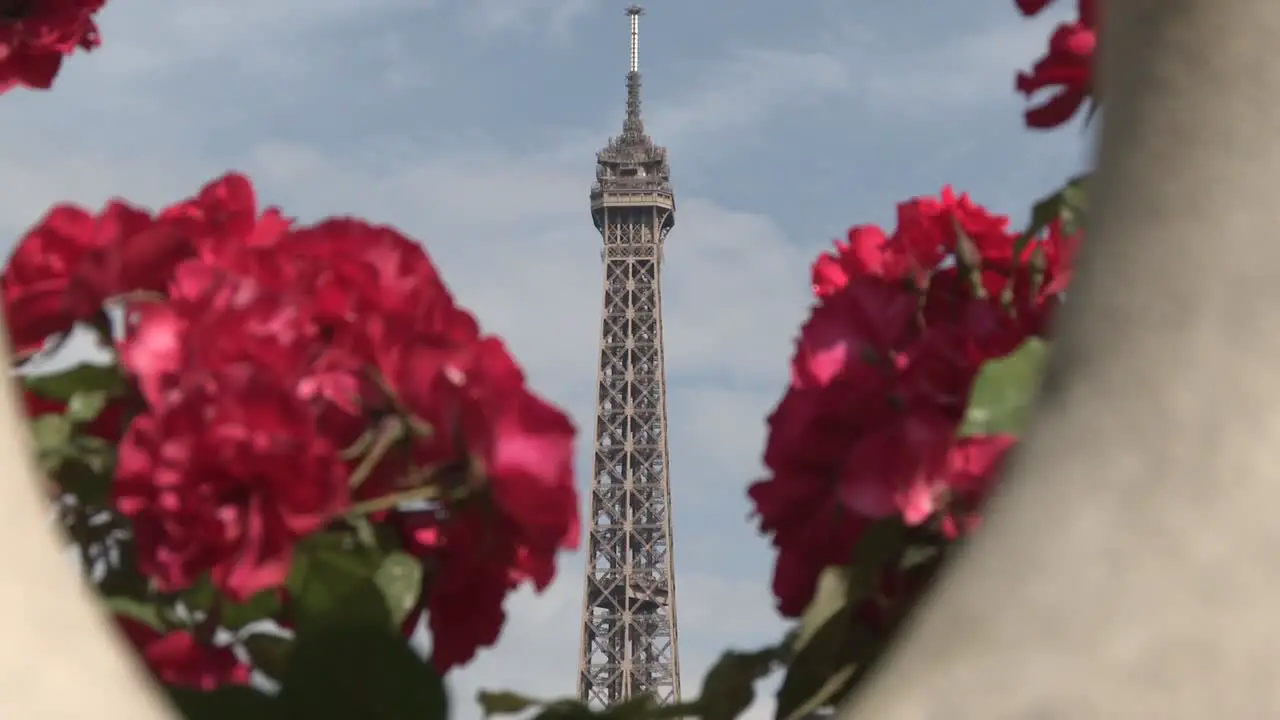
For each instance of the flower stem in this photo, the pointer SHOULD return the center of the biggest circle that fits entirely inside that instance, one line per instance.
(387, 502)
(391, 432)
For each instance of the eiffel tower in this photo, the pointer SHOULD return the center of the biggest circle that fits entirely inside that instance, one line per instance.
(629, 638)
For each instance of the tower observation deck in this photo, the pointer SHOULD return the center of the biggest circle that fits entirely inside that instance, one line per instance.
(629, 629)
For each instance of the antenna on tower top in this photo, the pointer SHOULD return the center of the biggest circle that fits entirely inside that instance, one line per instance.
(635, 11)
(633, 127)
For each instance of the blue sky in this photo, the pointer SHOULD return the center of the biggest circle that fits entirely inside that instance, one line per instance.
(472, 126)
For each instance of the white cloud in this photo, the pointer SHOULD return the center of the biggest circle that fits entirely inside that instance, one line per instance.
(745, 89)
(921, 73)
(554, 15)
(737, 288)
(265, 37)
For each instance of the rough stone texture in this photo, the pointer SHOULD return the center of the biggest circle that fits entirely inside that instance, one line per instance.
(1129, 568)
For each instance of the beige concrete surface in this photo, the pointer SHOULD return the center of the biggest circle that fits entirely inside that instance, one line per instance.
(1131, 566)
(58, 656)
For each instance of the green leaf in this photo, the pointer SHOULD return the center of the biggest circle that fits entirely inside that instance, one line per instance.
(566, 710)
(346, 672)
(95, 453)
(830, 648)
(86, 405)
(820, 672)
(84, 466)
(640, 707)
(90, 486)
(52, 436)
(1074, 204)
(827, 691)
(400, 580)
(201, 596)
(880, 545)
(503, 702)
(263, 606)
(364, 530)
(332, 583)
(241, 703)
(917, 555)
(1067, 204)
(146, 612)
(1005, 391)
(817, 646)
(729, 688)
(123, 579)
(82, 378)
(678, 711)
(830, 598)
(269, 653)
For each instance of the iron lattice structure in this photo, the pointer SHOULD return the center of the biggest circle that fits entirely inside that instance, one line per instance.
(629, 638)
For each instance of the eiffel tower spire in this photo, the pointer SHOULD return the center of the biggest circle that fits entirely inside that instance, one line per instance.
(633, 125)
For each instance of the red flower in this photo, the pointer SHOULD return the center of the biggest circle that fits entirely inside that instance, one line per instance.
(989, 329)
(229, 467)
(811, 529)
(823, 490)
(378, 296)
(1060, 251)
(226, 476)
(36, 279)
(463, 597)
(133, 253)
(519, 507)
(973, 467)
(140, 253)
(929, 231)
(1031, 8)
(356, 266)
(868, 251)
(261, 352)
(36, 34)
(892, 471)
(523, 447)
(177, 658)
(881, 378)
(1068, 66)
(224, 216)
(72, 263)
(215, 320)
(854, 332)
(1035, 294)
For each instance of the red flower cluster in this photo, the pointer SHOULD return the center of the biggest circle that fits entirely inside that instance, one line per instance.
(178, 658)
(262, 351)
(881, 379)
(1068, 66)
(36, 34)
(521, 449)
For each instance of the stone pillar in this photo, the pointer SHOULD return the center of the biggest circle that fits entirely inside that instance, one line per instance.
(1129, 566)
(59, 656)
